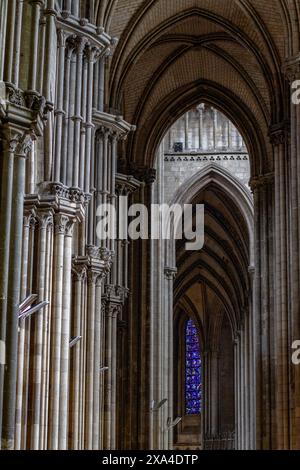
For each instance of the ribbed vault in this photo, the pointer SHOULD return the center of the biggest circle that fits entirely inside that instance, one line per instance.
(221, 269)
(172, 53)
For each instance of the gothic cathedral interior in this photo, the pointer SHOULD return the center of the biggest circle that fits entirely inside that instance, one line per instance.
(130, 338)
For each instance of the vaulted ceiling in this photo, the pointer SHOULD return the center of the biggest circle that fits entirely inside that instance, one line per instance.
(172, 53)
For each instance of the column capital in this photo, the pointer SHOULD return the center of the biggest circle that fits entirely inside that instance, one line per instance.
(170, 273)
(291, 68)
(44, 219)
(279, 133)
(79, 271)
(61, 222)
(143, 173)
(92, 276)
(261, 181)
(62, 37)
(29, 217)
(113, 309)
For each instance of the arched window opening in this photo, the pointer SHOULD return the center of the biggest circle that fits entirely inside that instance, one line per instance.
(193, 370)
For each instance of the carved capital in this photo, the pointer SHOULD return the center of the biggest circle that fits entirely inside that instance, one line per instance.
(61, 38)
(79, 272)
(113, 309)
(142, 173)
(92, 277)
(279, 134)
(291, 68)
(261, 181)
(29, 218)
(60, 223)
(170, 273)
(44, 218)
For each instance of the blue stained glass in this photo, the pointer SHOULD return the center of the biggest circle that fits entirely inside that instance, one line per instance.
(193, 370)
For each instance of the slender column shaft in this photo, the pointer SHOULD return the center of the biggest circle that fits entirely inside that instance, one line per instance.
(90, 359)
(41, 59)
(200, 129)
(46, 334)
(89, 124)
(84, 126)
(75, 8)
(101, 84)
(186, 131)
(75, 371)
(78, 118)
(113, 378)
(3, 23)
(97, 364)
(38, 339)
(5, 223)
(64, 144)
(50, 34)
(17, 42)
(59, 103)
(10, 37)
(215, 123)
(65, 339)
(34, 34)
(108, 384)
(58, 271)
(19, 398)
(70, 147)
(13, 300)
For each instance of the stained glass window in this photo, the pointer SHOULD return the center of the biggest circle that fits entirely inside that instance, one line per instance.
(193, 372)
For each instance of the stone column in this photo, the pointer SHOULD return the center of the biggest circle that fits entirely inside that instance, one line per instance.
(13, 295)
(108, 415)
(50, 15)
(200, 127)
(59, 112)
(92, 278)
(66, 116)
(80, 45)
(186, 131)
(79, 273)
(3, 24)
(215, 128)
(44, 219)
(17, 42)
(91, 55)
(28, 218)
(9, 145)
(263, 190)
(61, 222)
(65, 336)
(99, 339)
(170, 273)
(289, 170)
(34, 35)
(9, 46)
